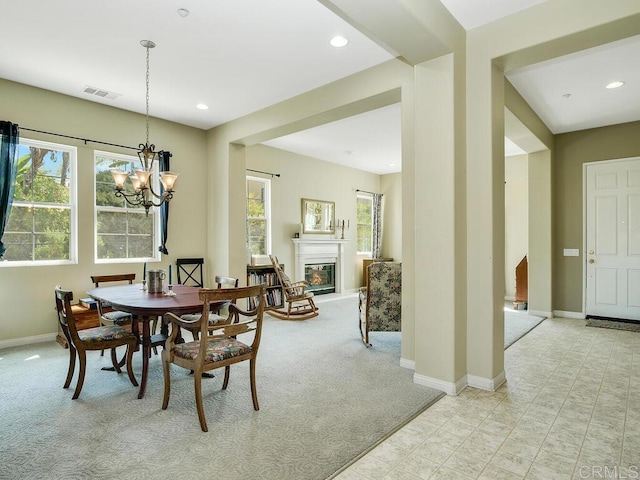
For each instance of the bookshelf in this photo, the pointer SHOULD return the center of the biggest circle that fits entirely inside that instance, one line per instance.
(257, 274)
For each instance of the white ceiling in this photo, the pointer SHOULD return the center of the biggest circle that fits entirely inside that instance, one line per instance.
(243, 55)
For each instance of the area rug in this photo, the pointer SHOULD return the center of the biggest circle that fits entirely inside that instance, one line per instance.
(517, 325)
(324, 399)
(628, 326)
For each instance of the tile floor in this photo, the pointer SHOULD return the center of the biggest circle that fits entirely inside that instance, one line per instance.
(570, 409)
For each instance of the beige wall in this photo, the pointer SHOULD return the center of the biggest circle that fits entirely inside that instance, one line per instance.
(391, 187)
(26, 293)
(516, 205)
(306, 177)
(572, 150)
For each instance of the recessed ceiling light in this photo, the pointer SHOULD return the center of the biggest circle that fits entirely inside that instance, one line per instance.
(615, 84)
(183, 12)
(338, 41)
(202, 106)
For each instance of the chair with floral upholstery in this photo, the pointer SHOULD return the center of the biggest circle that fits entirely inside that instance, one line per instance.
(98, 338)
(380, 302)
(219, 344)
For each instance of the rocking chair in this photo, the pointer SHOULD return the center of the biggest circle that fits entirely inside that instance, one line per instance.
(300, 305)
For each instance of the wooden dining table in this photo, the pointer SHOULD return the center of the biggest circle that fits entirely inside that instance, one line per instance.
(145, 307)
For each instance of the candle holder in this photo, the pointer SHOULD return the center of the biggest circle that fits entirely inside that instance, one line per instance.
(143, 285)
(170, 292)
(342, 226)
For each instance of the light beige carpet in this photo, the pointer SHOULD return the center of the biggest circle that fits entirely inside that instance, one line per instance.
(324, 398)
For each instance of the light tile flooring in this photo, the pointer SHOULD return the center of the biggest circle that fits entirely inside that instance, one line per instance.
(570, 409)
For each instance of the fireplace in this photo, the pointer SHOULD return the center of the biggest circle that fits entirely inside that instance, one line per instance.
(321, 278)
(319, 251)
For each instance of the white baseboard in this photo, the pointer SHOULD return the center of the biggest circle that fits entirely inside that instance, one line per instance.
(447, 387)
(489, 384)
(564, 314)
(17, 342)
(540, 313)
(406, 363)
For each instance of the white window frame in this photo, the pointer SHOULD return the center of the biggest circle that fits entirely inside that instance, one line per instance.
(369, 198)
(72, 206)
(155, 211)
(267, 211)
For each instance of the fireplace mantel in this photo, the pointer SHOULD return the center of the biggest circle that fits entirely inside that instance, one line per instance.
(316, 250)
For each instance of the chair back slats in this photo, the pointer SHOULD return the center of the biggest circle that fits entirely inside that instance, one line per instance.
(113, 278)
(65, 313)
(190, 271)
(118, 277)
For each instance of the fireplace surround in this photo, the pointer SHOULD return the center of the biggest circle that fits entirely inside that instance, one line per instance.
(314, 251)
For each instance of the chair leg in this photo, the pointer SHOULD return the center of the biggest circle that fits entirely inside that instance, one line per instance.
(227, 373)
(72, 365)
(83, 367)
(197, 381)
(254, 392)
(114, 360)
(132, 377)
(167, 379)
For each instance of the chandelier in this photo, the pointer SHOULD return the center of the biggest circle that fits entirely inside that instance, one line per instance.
(142, 180)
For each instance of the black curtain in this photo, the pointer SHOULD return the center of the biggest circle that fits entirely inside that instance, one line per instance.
(163, 158)
(8, 167)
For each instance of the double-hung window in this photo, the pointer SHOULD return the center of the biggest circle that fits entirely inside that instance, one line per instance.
(258, 216)
(364, 240)
(42, 224)
(124, 233)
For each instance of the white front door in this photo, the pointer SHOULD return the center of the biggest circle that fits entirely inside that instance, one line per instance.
(613, 239)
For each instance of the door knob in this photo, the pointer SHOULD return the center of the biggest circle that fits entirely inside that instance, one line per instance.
(591, 260)
(591, 252)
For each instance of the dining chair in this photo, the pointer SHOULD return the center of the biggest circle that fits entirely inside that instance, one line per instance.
(218, 345)
(214, 316)
(190, 271)
(106, 314)
(97, 338)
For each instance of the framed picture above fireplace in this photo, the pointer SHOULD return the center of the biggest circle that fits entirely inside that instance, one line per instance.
(318, 216)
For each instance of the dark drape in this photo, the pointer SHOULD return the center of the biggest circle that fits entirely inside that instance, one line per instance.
(8, 167)
(163, 159)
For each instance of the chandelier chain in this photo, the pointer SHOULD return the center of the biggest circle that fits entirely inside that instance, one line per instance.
(147, 97)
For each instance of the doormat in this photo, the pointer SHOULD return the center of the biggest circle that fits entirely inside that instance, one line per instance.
(628, 326)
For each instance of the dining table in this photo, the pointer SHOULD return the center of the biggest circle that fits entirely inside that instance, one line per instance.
(145, 307)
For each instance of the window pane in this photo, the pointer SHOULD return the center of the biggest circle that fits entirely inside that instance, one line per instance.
(140, 224)
(256, 236)
(39, 225)
(112, 222)
(140, 247)
(258, 221)
(19, 247)
(124, 230)
(112, 246)
(51, 246)
(255, 199)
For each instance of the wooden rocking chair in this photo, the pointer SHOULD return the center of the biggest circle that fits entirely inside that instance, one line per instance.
(300, 305)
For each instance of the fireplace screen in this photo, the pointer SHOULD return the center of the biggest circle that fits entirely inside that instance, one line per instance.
(321, 278)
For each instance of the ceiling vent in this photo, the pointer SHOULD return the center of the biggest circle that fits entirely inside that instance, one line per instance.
(98, 92)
